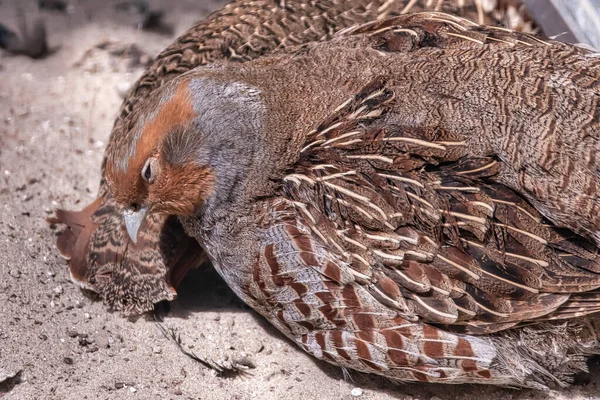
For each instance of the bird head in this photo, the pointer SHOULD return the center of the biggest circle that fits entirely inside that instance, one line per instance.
(182, 147)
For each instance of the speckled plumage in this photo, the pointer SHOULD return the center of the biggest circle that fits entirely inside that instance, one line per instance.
(389, 218)
(241, 31)
(129, 277)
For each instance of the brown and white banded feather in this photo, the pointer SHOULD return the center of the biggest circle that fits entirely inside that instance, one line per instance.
(315, 297)
(128, 277)
(398, 242)
(241, 31)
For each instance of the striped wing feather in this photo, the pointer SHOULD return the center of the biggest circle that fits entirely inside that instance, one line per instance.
(392, 241)
(428, 226)
(332, 311)
(242, 30)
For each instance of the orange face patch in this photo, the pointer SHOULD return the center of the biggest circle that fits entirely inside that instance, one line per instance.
(177, 111)
(180, 190)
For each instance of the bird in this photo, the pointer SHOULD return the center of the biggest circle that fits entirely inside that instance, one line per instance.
(95, 241)
(386, 217)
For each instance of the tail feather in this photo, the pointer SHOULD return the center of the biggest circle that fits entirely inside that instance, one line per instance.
(73, 242)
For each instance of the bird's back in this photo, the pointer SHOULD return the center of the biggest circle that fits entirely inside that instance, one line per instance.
(530, 103)
(397, 227)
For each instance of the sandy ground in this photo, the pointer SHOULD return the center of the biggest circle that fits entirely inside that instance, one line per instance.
(55, 117)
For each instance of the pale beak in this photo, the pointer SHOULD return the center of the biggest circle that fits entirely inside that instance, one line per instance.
(134, 221)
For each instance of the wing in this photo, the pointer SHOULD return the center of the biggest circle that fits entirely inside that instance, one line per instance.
(129, 278)
(241, 31)
(309, 287)
(429, 228)
(531, 103)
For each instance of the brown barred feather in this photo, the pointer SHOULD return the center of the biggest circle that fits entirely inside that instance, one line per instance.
(244, 30)
(399, 241)
(389, 218)
(130, 278)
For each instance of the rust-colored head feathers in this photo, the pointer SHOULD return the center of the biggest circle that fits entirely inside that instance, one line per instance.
(148, 173)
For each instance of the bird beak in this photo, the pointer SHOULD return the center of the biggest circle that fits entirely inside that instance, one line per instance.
(134, 221)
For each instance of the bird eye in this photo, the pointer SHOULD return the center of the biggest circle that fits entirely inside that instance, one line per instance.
(150, 170)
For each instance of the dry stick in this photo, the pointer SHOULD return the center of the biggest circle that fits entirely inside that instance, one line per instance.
(236, 368)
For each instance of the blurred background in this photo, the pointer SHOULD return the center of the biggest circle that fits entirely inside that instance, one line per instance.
(574, 21)
(28, 26)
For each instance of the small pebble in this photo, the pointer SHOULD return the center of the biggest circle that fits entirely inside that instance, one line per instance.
(256, 347)
(132, 389)
(103, 341)
(92, 349)
(123, 88)
(157, 350)
(356, 392)
(58, 290)
(15, 273)
(87, 316)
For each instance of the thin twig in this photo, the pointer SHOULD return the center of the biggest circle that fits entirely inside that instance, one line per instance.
(222, 370)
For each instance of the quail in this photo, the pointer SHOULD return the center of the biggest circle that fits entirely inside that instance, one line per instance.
(404, 199)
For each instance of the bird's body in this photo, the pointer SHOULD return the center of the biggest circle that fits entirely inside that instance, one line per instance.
(102, 259)
(244, 30)
(385, 216)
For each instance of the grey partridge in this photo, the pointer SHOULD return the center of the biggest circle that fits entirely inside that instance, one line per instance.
(405, 199)
(102, 259)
